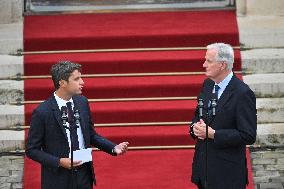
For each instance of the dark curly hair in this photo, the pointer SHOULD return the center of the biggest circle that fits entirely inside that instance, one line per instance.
(62, 71)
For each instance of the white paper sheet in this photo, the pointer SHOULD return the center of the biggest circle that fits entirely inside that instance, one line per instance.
(84, 155)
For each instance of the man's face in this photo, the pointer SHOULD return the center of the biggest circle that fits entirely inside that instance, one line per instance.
(75, 83)
(213, 69)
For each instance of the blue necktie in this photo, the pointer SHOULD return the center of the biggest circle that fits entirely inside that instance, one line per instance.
(73, 129)
(216, 88)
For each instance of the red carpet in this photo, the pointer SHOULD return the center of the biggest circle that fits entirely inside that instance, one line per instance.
(129, 30)
(144, 111)
(123, 87)
(154, 169)
(127, 62)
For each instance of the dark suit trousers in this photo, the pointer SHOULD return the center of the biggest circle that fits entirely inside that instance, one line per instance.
(200, 186)
(82, 178)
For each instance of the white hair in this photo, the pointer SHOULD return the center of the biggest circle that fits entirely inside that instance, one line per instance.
(225, 53)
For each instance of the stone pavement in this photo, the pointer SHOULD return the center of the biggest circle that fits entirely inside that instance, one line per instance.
(11, 172)
(268, 168)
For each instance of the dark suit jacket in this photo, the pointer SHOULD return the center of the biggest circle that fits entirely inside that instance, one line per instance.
(235, 127)
(47, 141)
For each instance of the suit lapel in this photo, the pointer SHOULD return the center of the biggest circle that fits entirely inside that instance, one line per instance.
(226, 94)
(208, 91)
(57, 115)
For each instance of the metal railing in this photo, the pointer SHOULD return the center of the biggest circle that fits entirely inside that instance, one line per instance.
(135, 148)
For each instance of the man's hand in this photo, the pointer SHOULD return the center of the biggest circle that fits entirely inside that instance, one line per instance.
(200, 130)
(66, 163)
(121, 148)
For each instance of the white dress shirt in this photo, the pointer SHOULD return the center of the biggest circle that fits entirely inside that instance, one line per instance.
(223, 84)
(60, 103)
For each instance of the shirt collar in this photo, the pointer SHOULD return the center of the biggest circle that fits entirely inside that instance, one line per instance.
(223, 84)
(61, 102)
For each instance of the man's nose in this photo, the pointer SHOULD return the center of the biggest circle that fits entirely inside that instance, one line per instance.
(82, 82)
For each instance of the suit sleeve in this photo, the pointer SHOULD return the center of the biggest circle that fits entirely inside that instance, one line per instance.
(35, 142)
(97, 140)
(244, 132)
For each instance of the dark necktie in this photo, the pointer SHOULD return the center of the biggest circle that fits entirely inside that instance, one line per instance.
(216, 88)
(73, 129)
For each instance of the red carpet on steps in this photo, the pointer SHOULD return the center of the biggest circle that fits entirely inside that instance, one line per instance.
(129, 30)
(148, 135)
(141, 169)
(124, 87)
(127, 62)
(140, 111)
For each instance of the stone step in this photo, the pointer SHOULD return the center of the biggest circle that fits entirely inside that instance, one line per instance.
(11, 90)
(266, 85)
(260, 7)
(267, 135)
(11, 66)
(11, 115)
(270, 134)
(270, 110)
(256, 61)
(261, 31)
(11, 11)
(11, 140)
(263, 60)
(11, 37)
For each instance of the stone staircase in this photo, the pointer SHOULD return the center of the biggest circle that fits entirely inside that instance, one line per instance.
(261, 27)
(11, 39)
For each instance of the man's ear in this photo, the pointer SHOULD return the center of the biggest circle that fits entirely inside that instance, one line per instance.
(62, 83)
(224, 66)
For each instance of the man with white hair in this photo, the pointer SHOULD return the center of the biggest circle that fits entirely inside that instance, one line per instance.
(231, 128)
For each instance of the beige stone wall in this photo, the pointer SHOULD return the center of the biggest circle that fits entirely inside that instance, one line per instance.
(260, 7)
(11, 11)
